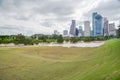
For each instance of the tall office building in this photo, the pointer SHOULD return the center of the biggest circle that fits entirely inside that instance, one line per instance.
(93, 23)
(80, 31)
(77, 31)
(65, 33)
(112, 30)
(87, 29)
(73, 28)
(97, 24)
(105, 27)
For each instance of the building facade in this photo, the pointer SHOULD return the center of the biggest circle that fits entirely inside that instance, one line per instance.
(65, 32)
(77, 31)
(87, 29)
(97, 24)
(73, 28)
(80, 31)
(93, 23)
(112, 30)
(105, 26)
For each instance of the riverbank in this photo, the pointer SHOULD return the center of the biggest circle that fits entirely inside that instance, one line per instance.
(65, 44)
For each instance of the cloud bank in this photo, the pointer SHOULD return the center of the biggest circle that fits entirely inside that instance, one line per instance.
(43, 16)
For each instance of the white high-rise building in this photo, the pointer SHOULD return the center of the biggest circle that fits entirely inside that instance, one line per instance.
(112, 30)
(105, 26)
(87, 28)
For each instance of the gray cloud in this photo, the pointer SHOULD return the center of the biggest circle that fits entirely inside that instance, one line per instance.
(110, 9)
(55, 8)
(1, 2)
(22, 17)
(13, 29)
(9, 27)
(34, 16)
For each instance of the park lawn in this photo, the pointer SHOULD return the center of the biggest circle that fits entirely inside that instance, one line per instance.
(60, 63)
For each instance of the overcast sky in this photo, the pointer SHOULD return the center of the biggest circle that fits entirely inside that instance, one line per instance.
(44, 16)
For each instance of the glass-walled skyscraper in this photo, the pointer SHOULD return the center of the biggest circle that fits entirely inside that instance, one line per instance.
(93, 23)
(97, 24)
(80, 31)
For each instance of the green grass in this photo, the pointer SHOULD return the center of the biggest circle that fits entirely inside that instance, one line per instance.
(58, 63)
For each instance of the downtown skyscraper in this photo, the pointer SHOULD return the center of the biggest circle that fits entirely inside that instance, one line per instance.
(80, 31)
(105, 26)
(73, 28)
(112, 30)
(87, 29)
(97, 24)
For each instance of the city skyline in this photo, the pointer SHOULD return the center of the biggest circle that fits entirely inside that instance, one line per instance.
(38, 16)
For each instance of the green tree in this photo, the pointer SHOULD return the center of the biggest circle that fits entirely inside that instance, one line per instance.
(20, 39)
(74, 39)
(118, 32)
(60, 39)
(43, 38)
(67, 39)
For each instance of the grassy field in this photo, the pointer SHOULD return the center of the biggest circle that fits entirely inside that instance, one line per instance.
(58, 63)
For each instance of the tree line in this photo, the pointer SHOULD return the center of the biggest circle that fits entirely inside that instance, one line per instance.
(40, 38)
(36, 39)
(30, 40)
